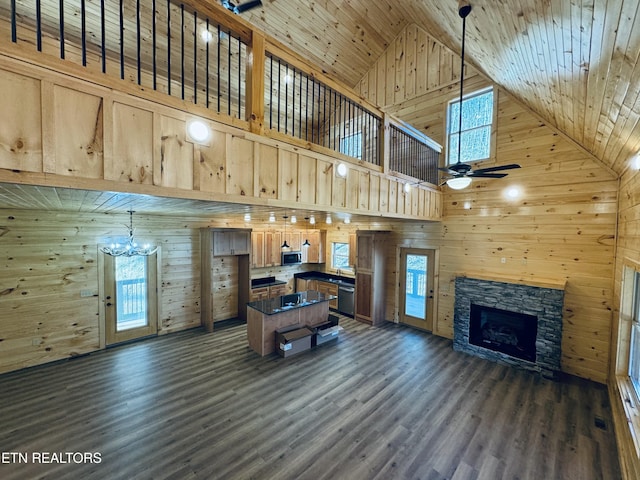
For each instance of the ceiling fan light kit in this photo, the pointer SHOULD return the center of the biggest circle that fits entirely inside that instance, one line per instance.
(459, 183)
(463, 173)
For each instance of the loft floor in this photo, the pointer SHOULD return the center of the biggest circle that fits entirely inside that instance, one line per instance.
(381, 403)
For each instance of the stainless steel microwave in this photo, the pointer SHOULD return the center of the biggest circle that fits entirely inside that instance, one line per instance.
(291, 258)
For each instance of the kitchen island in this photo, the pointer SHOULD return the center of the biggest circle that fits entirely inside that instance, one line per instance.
(264, 317)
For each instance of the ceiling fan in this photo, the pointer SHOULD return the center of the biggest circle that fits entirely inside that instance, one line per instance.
(241, 8)
(462, 173)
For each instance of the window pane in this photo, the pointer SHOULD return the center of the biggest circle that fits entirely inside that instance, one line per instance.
(352, 145)
(477, 119)
(634, 357)
(634, 347)
(340, 255)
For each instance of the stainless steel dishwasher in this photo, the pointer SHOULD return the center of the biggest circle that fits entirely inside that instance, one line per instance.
(345, 299)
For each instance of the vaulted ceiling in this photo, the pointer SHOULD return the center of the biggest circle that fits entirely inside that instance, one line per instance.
(573, 62)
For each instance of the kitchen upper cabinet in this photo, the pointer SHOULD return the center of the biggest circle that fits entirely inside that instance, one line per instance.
(272, 249)
(315, 252)
(257, 250)
(231, 242)
(370, 277)
(352, 249)
(294, 241)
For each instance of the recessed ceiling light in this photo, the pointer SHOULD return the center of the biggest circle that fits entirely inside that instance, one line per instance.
(328, 219)
(341, 170)
(272, 217)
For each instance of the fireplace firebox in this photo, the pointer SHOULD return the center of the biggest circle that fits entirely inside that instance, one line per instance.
(504, 331)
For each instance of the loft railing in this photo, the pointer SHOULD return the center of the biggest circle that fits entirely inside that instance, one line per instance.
(157, 44)
(304, 107)
(174, 48)
(413, 154)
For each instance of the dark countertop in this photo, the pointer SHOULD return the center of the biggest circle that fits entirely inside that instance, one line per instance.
(266, 282)
(290, 302)
(326, 277)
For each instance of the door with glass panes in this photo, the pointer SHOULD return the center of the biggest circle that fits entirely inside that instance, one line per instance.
(130, 297)
(417, 298)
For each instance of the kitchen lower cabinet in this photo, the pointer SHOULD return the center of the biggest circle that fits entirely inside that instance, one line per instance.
(303, 284)
(265, 293)
(277, 290)
(261, 293)
(328, 288)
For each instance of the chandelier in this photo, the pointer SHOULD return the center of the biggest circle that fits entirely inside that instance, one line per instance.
(131, 247)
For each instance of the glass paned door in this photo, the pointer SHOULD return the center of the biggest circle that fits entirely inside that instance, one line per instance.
(415, 294)
(131, 293)
(417, 299)
(130, 297)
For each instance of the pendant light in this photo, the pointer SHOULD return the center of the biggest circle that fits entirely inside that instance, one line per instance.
(130, 248)
(285, 244)
(306, 240)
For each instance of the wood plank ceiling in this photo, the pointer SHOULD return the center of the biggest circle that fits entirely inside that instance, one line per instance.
(575, 63)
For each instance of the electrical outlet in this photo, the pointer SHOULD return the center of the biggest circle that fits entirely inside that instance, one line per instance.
(86, 293)
(503, 260)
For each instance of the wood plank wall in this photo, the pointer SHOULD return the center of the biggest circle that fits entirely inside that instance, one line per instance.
(85, 136)
(628, 253)
(49, 281)
(415, 63)
(563, 227)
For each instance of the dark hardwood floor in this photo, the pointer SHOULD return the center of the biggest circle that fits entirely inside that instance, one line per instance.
(381, 403)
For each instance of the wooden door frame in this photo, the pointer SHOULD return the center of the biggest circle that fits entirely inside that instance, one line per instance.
(155, 307)
(419, 250)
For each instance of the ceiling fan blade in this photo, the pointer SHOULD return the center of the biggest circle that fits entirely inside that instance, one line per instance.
(487, 175)
(247, 6)
(511, 166)
(448, 171)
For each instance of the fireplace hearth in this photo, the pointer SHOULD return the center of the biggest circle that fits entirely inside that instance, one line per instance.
(510, 323)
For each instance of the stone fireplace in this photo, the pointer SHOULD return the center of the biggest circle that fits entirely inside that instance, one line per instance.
(510, 323)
